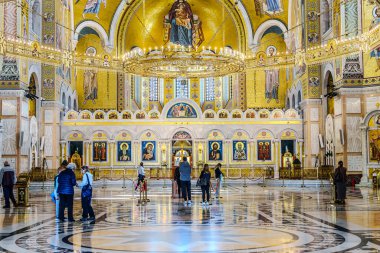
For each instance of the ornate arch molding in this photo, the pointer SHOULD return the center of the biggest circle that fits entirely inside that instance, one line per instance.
(237, 11)
(264, 27)
(328, 68)
(98, 28)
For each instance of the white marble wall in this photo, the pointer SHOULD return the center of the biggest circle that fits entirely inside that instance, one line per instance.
(9, 146)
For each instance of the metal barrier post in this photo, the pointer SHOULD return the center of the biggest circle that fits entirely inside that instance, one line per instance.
(104, 182)
(283, 178)
(303, 178)
(140, 202)
(264, 175)
(146, 191)
(124, 183)
(321, 177)
(165, 172)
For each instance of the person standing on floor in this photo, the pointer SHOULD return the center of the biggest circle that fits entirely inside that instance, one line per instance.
(185, 177)
(56, 197)
(141, 175)
(205, 181)
(340, 179)
(219, 178)
(8, 179)
(66, 183)
(177, 178)
(86, 195)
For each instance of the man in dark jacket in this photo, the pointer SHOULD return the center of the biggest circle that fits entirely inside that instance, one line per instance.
(185, 176)
(8, 180)
(65, 191)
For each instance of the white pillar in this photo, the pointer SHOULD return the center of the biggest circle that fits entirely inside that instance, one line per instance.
(277, 159)
(112, 152)
(364, 180)
(88, 152)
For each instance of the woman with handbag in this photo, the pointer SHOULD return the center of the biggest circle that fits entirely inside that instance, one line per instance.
(205, 183)
(86, 196)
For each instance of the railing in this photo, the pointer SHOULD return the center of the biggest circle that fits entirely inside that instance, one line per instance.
(267, 172)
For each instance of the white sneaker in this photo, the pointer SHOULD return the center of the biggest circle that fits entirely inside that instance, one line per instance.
(206, 204)
(189, 202)
(185, 203)
(203, 203)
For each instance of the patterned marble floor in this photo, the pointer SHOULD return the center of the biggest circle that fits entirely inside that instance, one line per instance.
(251, 219)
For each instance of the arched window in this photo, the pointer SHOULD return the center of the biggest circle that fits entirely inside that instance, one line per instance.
(69, 103)
(181, 88)
(36, 18)
(75, 106)
(153, 89)
(299, 99)
(326, 16)
(210, 89)
(293, 101)
(287, 103)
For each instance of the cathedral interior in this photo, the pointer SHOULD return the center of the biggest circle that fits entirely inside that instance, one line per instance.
(276, 91)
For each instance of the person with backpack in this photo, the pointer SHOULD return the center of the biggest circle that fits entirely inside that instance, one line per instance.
(8, 179)
(86, 195)
(219, 178)
(185, 177)
(340, 178)
(205, 182)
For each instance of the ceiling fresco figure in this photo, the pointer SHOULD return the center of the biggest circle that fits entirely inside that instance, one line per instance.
(93, 6)
(182, 27)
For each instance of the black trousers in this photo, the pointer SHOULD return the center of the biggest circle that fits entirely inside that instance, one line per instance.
(205, 191)
(87, 208)
(66, 200)
(179, 187)
(140, 180)
(8, 194)
(186, 190)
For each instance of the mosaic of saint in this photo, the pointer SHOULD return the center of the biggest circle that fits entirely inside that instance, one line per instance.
(124, 151)
(239, 150)
(99, 151)
(148, 150)
(182, 110)
(215, 150)
(264, 150)
(182, 27)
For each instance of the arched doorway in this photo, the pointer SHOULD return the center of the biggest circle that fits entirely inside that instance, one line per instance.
(182, 146)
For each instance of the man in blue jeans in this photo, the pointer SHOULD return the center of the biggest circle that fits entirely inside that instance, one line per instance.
(185, 177)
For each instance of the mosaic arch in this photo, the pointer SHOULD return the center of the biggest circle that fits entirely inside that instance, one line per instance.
(181, 110)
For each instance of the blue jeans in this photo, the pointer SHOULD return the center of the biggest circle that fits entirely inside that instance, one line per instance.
(186, 190)
(8, 194)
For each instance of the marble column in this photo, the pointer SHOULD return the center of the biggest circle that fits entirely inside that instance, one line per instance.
(311, 125)
(252, 152)
(87, 154)
(228, 152)
(277, 159)
(1, 140)
(300, 151)
(50, 111)
(364, 180)
(112, 152)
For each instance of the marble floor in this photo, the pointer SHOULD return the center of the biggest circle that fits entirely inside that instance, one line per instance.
(251, 219)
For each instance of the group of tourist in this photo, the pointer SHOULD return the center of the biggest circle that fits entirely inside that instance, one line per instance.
(63, 194)
(182, 177)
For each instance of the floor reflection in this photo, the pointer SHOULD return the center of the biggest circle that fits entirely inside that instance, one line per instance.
(249, 219)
